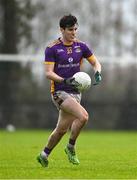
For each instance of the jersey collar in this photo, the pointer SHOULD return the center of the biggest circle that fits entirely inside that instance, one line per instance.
(65, 44)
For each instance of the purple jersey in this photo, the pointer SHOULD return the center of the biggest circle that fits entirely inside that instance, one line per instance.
(67, 60)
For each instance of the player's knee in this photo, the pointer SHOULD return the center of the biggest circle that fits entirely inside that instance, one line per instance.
(85, 118)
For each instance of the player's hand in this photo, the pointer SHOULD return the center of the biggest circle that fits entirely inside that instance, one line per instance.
(71, 82)
(98, 78)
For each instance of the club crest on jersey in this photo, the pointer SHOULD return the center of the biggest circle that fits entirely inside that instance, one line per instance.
(77, 50)
(70, 60)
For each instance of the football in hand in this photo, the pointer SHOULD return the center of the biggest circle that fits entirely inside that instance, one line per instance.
(83, 80)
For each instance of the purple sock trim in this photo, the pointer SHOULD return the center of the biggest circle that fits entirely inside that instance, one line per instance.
(72, 142)
(47, 150)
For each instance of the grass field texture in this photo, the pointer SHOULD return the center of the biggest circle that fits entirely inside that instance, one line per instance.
(103, 155)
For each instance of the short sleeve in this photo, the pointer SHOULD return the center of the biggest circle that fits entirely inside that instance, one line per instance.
(49, 55)
(87, 52)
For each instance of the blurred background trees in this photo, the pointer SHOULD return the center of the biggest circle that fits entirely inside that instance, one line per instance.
(15, 28)
(109, 27)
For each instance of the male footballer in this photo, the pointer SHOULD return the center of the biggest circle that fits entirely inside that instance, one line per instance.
(63, 58)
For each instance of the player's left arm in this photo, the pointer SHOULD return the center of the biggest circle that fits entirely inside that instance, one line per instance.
(95, 63)
(97, 68)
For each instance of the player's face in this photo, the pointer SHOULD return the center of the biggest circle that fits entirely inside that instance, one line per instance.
(69, 34)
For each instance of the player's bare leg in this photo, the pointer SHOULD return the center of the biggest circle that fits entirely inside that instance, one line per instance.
(70, 110)
(71, 106)
(66, 119)
(76, 127)
(80, 115)
(64, 122)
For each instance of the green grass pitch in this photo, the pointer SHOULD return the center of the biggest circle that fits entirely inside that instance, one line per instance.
(103, 155)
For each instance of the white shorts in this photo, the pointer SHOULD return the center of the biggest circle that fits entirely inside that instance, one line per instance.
(59, 96)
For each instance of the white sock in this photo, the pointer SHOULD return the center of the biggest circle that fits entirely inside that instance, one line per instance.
(44, 155)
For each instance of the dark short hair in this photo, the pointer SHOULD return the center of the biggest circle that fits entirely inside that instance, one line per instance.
(68, 21)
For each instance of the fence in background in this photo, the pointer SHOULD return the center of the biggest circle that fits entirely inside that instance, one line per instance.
(25, 99)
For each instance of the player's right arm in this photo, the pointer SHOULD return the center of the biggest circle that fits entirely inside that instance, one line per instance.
(50, 61)
(50, 74)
